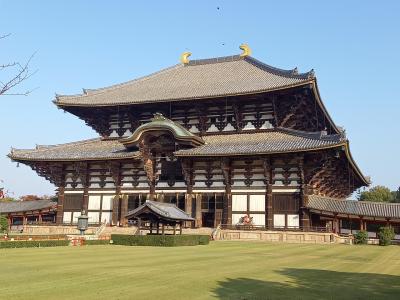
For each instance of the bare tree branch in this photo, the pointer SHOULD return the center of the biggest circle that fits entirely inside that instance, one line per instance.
(19, 73)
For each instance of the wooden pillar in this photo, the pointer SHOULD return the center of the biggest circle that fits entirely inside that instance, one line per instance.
(198, 210)
(335, 224)
(151, 227)
(304, 212)
(175, 229)
(269, 206)
(85, 201)
(115, 211)
(305, 191)
(226, 166)
(180, 227)
(361, 223)
(60, 205)
(124, 211)
(9, 220)
(24, 219)
(40, 218)
(227, 207)
(162, 229)
(158, 227)
(188, 175)
(139, 225)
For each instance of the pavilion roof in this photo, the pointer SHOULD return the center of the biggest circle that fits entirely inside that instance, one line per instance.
(198, 79)
(166, 211)
(161, 123)
(23, 206)
(352, 207)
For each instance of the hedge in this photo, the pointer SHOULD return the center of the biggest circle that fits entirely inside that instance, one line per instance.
(33, 244)
(97, 242)
(160, 240)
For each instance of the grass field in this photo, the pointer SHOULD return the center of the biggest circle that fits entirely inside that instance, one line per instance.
(221, 270)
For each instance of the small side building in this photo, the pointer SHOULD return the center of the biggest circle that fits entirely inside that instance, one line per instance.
(152, 214)
(35, 212)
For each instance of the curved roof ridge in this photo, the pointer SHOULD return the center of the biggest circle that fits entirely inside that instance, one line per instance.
(87, 92)
(317, 135)
(213, 60)
(280, 72)
(46, 147)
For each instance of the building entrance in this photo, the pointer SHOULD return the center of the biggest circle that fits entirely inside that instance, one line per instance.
(208, 219)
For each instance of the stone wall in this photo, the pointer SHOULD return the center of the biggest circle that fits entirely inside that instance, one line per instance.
(279, 236)
(32, 229)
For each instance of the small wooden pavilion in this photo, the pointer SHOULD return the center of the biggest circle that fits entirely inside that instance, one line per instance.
(152, 214)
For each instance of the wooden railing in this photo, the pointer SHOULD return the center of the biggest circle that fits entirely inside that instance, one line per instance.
(288, 228)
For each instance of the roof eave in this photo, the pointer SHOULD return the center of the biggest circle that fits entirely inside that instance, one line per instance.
(322, 106)
(303, 83)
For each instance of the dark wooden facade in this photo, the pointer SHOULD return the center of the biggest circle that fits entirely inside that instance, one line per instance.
(272, 185)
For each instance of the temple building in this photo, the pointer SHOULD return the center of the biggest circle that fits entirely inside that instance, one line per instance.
(222, 138)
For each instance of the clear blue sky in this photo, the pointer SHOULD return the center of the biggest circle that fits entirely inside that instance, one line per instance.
(353, 47)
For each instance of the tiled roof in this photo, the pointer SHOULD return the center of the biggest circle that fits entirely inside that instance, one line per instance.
(279, 140)
(275, 141)
(352, 207)
(223, 76)
(83, 150)
(164, 210)
(22, 206)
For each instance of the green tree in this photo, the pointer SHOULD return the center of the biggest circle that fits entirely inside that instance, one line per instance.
(378, 193)
(396, 195)
(3, 224)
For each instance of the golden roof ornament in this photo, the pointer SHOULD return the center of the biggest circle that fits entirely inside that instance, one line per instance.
(185, 57)
(246, 50)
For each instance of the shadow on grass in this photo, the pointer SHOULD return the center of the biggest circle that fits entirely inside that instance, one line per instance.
(312, 284)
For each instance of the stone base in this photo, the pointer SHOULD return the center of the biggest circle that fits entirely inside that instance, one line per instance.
(279, 236)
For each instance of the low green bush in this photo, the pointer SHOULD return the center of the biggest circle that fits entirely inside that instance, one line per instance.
(361, 237)
(97, 242)
(33, 244)
(386, 235)
(160, 240)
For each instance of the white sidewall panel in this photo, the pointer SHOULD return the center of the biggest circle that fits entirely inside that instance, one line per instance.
(107, 202)
(93, 216)
(258, 219)
(94, 202)
(239, 203)
(106, 217)
(293, 221)
(279, 220)
(67, 217)
(236, 218)
(257, 203)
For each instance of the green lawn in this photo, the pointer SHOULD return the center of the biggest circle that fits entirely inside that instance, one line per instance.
(221, 270)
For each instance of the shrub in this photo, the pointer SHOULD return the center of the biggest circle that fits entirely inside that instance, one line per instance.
(33, 244)
(361, 237)
(3, 224)
(386, 235)
(97, 242)
(160, 240)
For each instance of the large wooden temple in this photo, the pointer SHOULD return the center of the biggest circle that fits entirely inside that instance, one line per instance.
(221, 138)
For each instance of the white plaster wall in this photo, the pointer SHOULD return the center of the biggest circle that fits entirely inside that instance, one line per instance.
(257, 203)
(239, 202)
